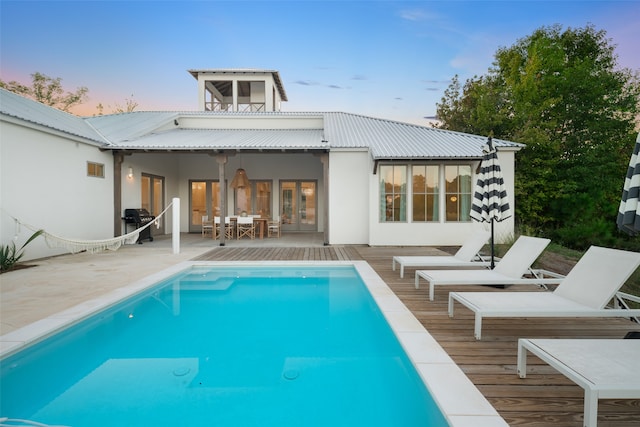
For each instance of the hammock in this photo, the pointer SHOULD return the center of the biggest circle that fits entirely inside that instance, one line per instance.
(91, 246)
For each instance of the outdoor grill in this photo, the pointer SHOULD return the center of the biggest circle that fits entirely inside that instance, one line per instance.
(139, 218)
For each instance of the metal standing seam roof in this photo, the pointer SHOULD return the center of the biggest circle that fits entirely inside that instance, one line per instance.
(387, 139)
(229, 139)
(384, 139)
(19, 107)
(117, 128)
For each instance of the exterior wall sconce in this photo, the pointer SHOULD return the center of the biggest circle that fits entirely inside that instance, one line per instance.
(130, 173)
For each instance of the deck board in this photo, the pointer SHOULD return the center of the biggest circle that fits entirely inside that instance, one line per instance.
(544, 398)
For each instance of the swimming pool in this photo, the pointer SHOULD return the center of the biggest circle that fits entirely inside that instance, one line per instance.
(241, 344)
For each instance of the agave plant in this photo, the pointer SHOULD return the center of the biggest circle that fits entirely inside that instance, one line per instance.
(10, 255)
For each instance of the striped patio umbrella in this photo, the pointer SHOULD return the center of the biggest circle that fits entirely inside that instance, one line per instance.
(490, 201)
(629, 211)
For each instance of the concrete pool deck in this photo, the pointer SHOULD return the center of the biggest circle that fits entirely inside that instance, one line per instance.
(61, 282)
(58, 283)
(76, 283)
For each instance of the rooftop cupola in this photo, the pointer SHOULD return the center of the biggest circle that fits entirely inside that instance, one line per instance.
(240, 90)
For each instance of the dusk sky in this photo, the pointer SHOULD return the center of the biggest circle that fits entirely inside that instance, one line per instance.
(389, 59)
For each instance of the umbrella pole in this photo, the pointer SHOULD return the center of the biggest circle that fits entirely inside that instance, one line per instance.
(493, 265)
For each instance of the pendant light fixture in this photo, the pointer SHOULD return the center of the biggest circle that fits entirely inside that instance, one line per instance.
(240, 180)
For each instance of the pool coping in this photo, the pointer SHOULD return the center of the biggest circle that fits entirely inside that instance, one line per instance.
(446, 382)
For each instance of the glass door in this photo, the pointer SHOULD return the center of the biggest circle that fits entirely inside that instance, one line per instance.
(153, 198)
(298, 205)
(204, 198)
(255, 199)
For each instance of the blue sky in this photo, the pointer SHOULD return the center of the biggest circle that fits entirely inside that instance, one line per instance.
(390, 59)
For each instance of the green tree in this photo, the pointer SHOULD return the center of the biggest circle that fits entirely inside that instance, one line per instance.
(561, 93)
(478, 105)
(48, 91)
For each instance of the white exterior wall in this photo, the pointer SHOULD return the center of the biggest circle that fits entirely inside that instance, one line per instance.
(44, 183)
(350, 206)
(158, 164)
(437, 233)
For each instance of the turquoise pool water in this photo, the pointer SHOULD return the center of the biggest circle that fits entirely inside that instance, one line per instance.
(281, 346)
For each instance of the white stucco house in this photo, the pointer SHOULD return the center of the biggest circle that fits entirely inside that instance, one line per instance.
(356, 179)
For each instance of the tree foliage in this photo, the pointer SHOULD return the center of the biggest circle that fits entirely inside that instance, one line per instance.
(561, 93)
(129, 106)
(48, 91)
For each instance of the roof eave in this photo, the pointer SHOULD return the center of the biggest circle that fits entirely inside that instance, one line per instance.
(51, 130)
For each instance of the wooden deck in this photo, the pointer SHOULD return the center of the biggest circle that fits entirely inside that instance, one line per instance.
(545, 398)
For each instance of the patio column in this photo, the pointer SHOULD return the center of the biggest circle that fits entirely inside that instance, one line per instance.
(324, 159)
(118, 159)
(221, 159)
(234, 94)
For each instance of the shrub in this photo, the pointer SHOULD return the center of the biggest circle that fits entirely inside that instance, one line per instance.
(582, 235)
(10, 255)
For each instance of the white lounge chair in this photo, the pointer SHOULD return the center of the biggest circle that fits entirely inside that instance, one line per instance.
(585, 292)
(467, 256)
(604, 368)
(509, 271)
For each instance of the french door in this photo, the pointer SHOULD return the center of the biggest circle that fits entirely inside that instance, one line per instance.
(204, 198)
(298, 200)
(153, 198)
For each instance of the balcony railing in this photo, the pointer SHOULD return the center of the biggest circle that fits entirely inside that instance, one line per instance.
(254, 107)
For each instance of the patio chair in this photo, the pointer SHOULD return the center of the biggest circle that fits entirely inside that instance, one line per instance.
(245, 227)
(584, 292)
(510, 270)
(207, 225)
(273, 227)
(467, 256)
(228, 228)
(604, 368)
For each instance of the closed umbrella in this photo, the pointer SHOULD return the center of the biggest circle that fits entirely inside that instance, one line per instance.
(629, 211)
(490, 201)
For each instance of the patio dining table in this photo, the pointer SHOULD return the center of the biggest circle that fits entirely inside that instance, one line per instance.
(261, 223)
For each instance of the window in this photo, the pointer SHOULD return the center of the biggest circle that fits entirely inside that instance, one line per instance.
(393, 193)
(425, 180)
(95, 169)
(437, 192)
(458, 192)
